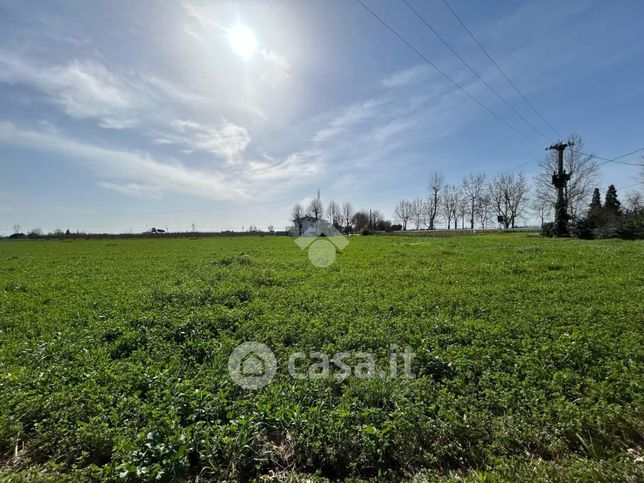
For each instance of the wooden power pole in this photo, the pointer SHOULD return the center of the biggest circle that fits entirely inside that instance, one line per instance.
(559, 180)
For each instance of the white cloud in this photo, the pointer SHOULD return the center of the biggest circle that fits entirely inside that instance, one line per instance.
(225, 139)
(147, 176)
(349, 117)
(85, 89)
(366, 134)
(407, 76)
(82, 89)
(276, 68)
(384, 133)
(298, 166)
(161, 141)
(133, 189)
(114, 123)
(135, 166)
(182, 126)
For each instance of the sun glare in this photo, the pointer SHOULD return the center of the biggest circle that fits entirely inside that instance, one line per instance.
(242, 40)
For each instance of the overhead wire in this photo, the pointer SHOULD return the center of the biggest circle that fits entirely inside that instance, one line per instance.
(520, 165)
(614, 160)
(474, 99)
(503, 73)
(605, 160)
(444, 74)
(471, 69)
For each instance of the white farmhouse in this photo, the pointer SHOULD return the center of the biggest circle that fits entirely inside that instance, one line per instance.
(305, 225)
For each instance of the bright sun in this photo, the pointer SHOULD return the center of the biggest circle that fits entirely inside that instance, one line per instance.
(242, 40)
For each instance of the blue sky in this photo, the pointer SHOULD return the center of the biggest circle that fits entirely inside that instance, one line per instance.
(121, 115)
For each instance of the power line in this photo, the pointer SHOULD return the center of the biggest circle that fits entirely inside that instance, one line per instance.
(605, 160)
(471, 69)
(614, 160)
(521, 165)
(621, 162)
(452, 81)
(500, 69)
(628, 154)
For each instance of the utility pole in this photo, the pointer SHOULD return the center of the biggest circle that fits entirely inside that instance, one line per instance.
(559, 180)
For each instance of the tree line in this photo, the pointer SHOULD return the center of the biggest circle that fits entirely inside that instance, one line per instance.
(609, 219)
(343, 216)
(477, 201)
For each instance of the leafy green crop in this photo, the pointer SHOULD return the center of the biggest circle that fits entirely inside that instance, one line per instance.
(529, 359)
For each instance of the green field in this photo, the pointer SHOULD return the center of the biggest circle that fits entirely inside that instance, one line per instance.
(529, 359)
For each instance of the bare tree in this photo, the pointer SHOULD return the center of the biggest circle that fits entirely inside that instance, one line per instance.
(347, 214)
(418, 212)
(583, 172)
(376, 219)
(296, 214)
(462, 210)
(334, 212)
(446, 204)
(542, 205)
(634, 202)
(404, 212)
(297, 211)
(499, 200)
(360, 220)
(458, 204)
(509, 194)
(451, 199)
(484, 209)
(315, 208)
(432, 204)
(473, 188)
(519, 196)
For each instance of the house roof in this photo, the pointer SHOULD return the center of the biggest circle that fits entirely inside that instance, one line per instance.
(305, 217)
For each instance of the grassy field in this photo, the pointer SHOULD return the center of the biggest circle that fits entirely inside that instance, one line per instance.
(528, 359)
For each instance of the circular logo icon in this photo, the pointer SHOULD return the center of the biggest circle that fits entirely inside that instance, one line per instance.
(252, 365)
(322, 253)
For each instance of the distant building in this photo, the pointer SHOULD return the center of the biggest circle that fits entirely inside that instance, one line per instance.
(309, 226)
(305, 224)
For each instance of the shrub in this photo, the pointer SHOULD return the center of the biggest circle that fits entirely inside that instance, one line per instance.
(548, 229)
(583, 228)
(609, 221)
(631, 228)
(627, 228)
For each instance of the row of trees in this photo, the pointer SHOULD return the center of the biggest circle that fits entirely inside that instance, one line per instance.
(610, 219)
(504, 198)
(343, 216)
(476, 200)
